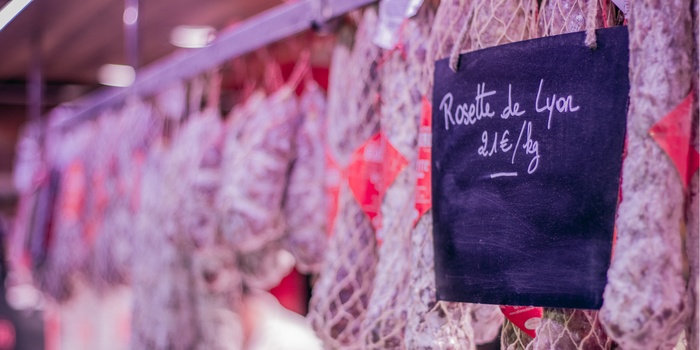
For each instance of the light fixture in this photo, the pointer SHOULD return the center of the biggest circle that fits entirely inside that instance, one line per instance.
(10, 10)
(131, 14)
(192, 36)
(116, 75)
(23, 297)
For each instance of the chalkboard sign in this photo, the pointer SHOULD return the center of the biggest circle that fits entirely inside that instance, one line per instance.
(527, 150)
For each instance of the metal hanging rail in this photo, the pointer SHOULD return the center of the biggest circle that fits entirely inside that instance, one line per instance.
(263, 29)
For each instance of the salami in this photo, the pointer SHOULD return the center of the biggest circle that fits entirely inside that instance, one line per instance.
(693, 246)
(434, 324)
(693, 208)
(133, 129)
(645, 300)
(196, 160)
(99, 268)
(163, 307)
(387, 312)
(339, 299)
(431, 322)
(305, 195)
(217, 282)
(162, 262)
(255, 167)
(68, 249)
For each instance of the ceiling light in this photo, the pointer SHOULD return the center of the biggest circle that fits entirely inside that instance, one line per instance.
(116, 75)
(131, 14)
(192, 36)
(10, 10)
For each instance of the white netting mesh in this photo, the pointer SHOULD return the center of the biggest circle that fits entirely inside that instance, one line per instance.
(433, 324)
(341, 294)
(387, 312)
(500, 22)
(450, 18)
(255, 166)
(570, 329)
(645, 298)
(358, 88)
(567, 16)
(179, 275)
(486, 321)
(306, 222)
(513, 338)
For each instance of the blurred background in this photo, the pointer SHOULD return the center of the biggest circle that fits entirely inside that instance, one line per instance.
(64, 43)
(54, 52)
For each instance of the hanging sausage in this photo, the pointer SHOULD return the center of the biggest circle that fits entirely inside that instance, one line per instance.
(305, 197)
(339, 299)
(645, 300)
(401, 97)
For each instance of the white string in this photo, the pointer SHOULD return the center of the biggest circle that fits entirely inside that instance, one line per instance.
(459, 43)
(591, 14)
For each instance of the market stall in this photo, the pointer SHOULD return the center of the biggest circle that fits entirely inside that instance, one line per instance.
(455, 174)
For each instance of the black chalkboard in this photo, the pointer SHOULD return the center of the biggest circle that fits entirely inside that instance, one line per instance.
(524, 200)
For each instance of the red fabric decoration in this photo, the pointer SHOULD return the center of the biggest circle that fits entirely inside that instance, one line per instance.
(672, 134)
(527, 318)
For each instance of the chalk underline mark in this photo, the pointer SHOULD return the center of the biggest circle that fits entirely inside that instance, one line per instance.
(503, 174)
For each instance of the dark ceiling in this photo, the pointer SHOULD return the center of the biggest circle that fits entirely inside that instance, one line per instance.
(78, 36)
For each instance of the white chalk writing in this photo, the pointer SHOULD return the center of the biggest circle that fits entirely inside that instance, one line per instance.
(511, 109)
(563, 104)
(495, 142)
(467, 113)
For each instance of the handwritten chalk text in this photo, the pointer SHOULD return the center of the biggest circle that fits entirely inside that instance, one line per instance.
(562, 104)
(494, 142)
(467, 113)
